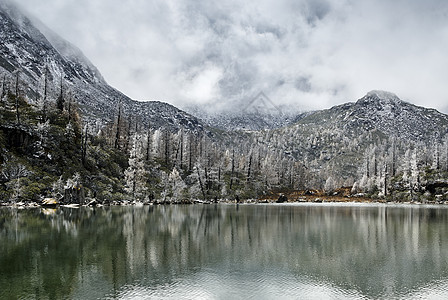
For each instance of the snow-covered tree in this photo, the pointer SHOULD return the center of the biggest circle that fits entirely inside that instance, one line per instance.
(57, 188)
(136, 173)
(177, 185)
(330, 185)
(73, 190)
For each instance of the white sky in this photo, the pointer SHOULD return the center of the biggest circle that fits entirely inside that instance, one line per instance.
(312, 53)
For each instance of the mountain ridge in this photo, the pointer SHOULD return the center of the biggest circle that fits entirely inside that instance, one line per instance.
(36, 51)
(386, 112)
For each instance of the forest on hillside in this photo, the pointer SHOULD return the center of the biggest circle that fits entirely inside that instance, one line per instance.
(47, 149)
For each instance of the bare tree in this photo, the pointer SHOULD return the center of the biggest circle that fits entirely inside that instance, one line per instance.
(167, 147)
(394, 157)
(3, 92)
(233, 169)
(446, 153)
(17, 96)
(200, 183)
(60, 100)
(135, 174)
(117, 130)
(181, 146)
(148, 144)
(249, 169)
(190, 152)
(13, 172)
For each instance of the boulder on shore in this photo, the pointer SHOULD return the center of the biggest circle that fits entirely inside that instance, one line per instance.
(50, 202)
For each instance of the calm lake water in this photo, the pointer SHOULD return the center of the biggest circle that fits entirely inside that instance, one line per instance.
(225, 252)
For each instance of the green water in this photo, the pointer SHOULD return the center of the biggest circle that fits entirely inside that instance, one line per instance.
(225, 252)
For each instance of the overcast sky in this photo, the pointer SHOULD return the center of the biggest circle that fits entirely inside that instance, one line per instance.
(312, 53)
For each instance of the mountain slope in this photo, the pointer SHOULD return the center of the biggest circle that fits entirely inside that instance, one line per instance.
(386, 113)
(33, 50)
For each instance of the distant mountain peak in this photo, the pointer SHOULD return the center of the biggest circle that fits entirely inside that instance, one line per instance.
(380, 100)
(382, 95)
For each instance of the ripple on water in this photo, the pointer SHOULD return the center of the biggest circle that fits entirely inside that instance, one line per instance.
(435, 290)
(237, 284)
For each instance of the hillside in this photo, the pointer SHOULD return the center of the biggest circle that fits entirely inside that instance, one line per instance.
(37, 54)
(385, 112)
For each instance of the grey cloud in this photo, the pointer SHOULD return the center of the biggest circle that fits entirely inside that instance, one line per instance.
(316, 10)
(303, 84)
(310, 53)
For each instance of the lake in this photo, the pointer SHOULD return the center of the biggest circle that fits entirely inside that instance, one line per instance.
(224, 251)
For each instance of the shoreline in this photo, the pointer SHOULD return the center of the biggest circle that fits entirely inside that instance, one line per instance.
(318, 200)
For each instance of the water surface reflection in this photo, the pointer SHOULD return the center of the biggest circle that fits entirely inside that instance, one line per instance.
(225, 251)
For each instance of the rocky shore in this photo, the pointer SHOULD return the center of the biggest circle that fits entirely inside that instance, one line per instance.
(281, 199)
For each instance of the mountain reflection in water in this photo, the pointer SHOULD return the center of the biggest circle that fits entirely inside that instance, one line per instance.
(225, 251)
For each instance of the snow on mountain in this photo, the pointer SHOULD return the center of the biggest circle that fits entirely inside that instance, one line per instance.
(32, 49)
(386, 113)
(27, 49)
(383, 95)
(392, 116)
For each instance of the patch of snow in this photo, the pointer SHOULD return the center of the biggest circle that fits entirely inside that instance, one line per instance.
(383, 95)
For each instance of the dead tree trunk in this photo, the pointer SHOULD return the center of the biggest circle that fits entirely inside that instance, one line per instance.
(17, 99)
(117, 133)
(233, 169)
(200, 183)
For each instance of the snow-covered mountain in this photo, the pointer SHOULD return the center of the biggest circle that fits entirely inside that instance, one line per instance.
(384, 112)
(30, 48)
